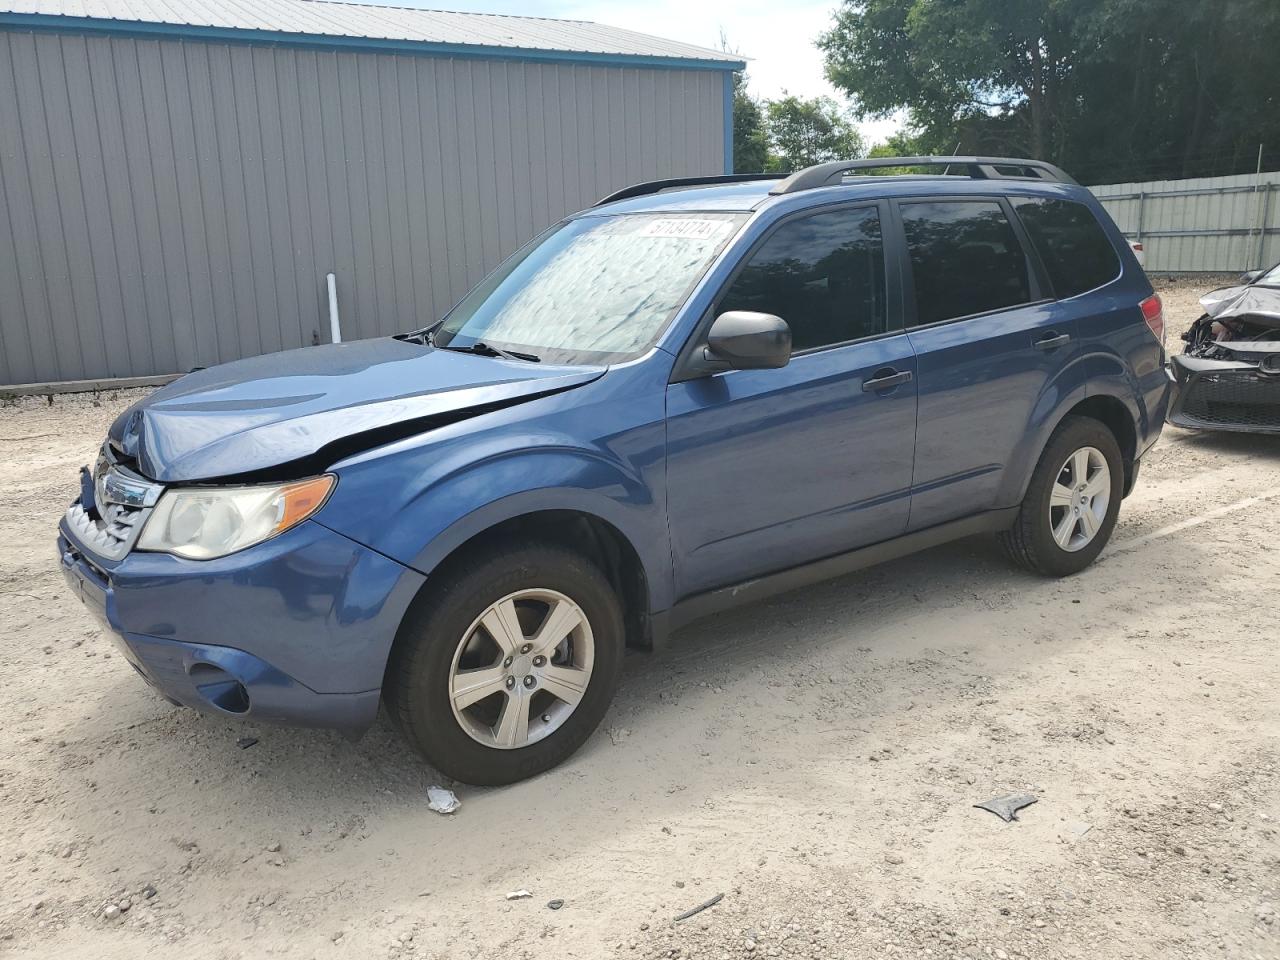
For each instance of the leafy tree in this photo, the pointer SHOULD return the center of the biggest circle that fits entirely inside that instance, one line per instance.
(1118, 89)
(750, 141)
(803, 132)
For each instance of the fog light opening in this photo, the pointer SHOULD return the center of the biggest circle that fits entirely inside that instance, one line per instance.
(220, 688)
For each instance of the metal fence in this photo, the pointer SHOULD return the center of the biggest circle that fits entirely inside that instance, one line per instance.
(1204, 225)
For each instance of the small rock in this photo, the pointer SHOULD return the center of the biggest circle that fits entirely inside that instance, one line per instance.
(273, 847)
(125, 905)
(336, 937)
(112, 912)
(679, 884)
(893, 858)
(244, 743)
(555, 904)
(148, 891)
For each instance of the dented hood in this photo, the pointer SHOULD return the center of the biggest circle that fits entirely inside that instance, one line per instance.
(1258, 303)
(301, 410)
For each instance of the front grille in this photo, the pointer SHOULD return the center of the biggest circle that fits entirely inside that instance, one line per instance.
(111, 536)
(123, 501)
(1244, 398)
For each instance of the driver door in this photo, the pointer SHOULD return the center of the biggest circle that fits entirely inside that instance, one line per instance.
(769, 469)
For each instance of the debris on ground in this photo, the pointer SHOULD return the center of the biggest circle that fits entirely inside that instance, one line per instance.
(555, 904)
(244, 743)
(1007, 807)
(1077, 828)
(700, 907)
(441, 800)
(520, 894)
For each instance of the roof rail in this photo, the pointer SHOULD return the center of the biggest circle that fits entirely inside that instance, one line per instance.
(978, 168)
(657, 186)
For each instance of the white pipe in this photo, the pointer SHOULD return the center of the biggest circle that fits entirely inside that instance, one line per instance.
(335, 326)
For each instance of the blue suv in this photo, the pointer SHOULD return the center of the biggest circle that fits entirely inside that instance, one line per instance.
(695, 394)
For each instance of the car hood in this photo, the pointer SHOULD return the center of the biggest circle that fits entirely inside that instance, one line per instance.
(297, 412)
(1261, 304)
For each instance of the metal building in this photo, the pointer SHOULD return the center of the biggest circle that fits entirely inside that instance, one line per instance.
(177, 179)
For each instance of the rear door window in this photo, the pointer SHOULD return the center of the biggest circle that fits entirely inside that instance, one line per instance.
(965, 258)
(1075, 250)
(823, 274)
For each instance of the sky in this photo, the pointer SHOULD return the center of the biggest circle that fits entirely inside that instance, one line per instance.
(777, 41)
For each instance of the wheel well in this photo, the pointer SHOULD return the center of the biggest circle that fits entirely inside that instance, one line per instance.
(1113, 414)
(597, 539)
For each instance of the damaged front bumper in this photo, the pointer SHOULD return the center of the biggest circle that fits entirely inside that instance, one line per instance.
(295, 630)
(1233, 395)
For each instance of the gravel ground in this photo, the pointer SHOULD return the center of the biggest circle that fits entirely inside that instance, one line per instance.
(814, 759)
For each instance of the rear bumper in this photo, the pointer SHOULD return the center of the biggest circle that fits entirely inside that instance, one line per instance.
(296, 630)
(1224, 395)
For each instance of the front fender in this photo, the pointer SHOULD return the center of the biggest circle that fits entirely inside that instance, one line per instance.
(532, 481)
(599, 453)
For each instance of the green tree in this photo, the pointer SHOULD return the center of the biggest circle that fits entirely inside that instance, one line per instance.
(807, 131)
(750, 142)
(1118, 89)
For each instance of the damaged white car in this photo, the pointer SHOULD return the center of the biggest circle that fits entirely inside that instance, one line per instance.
(1229, 375)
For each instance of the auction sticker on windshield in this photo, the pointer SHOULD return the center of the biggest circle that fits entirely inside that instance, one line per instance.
(684, 227)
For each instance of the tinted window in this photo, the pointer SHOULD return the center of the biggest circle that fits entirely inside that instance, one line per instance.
(965, 258)
(1075, 250)
(822, 274)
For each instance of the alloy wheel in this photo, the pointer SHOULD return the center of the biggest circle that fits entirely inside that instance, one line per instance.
(1079, 499)
(521, 669)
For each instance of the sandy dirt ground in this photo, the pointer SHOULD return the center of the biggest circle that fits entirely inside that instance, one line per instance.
(814, 759)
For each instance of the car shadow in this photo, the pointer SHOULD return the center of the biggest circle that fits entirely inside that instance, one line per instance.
(1234, 444)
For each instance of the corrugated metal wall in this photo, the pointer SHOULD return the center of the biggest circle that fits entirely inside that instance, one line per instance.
(1208, 224)
(168, 204)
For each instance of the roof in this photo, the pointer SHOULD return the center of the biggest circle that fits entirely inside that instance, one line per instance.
(363, 25)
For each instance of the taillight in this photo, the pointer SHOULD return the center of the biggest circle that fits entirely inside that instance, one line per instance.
(1136, 246)
(1153, 313)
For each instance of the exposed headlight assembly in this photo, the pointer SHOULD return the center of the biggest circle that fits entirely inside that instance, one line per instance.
(201, 523)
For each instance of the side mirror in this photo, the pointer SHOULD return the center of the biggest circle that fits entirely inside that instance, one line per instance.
(747, 340)
(1250, 276)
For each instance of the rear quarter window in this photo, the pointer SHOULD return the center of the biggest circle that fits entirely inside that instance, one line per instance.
(1074, 248)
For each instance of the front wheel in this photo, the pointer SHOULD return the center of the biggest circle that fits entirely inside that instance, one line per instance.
(1072, 502)
(508, 665)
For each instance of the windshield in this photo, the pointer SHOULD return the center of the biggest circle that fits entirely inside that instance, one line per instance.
(1271, 278)
(591, 290)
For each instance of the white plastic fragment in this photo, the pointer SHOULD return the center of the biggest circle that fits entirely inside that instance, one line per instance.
(521, 894)
(441, 800)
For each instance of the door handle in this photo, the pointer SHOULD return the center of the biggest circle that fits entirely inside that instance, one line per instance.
(890, 379)
(1053, 341)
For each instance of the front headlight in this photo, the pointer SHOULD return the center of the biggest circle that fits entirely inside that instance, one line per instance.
(201, 523)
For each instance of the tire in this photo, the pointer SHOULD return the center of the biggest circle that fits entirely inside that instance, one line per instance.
(1031, 541)
(443, 635)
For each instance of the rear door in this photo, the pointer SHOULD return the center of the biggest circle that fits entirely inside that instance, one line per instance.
(768, 469)
(988, 341)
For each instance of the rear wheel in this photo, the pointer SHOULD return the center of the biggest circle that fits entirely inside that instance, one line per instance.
(508, 665)
(1072, 502)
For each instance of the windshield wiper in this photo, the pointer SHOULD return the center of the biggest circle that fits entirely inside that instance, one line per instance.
(488, 350)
